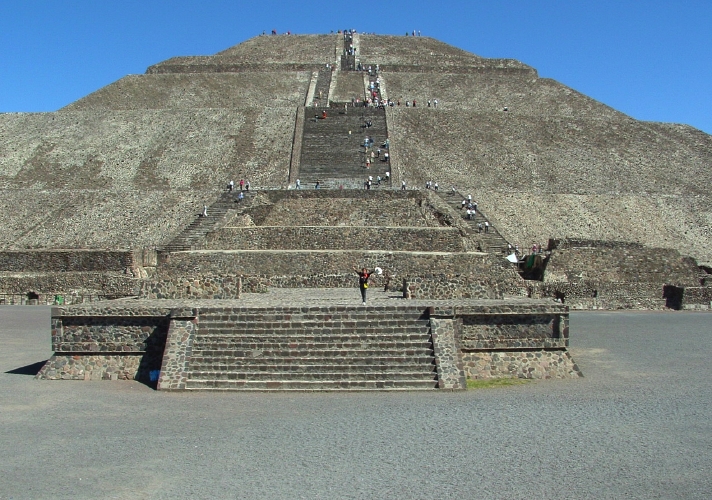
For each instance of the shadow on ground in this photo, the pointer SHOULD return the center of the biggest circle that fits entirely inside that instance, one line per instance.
(32, 369)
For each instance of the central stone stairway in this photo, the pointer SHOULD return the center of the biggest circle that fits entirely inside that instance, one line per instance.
(313, 348)
(333, 149)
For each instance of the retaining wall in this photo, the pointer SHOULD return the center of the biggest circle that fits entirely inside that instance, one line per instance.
(611, 261)
(333, 268)
(337, 238)
(47, 285)
(109, 342)
(73, 260)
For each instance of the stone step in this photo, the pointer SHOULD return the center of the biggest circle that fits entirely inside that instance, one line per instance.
(331, 329)
(292, 344)
(314, 351)
(313, 372)
(299, 324)
(312, 385)
(300, 336)
(492, 241)
(276, 317)
(340, 363)
(316, 375)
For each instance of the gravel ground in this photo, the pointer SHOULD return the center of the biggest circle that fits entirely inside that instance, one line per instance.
(637, 426)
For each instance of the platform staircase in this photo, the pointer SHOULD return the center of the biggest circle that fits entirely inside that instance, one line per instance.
(313, 348)
(193, 236)
(492, 240)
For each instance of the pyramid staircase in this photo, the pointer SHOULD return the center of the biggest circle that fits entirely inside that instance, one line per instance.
(492, 240)
(321, 90)
(348, 61)
(314, 348)
(333, 149)
(193, 236)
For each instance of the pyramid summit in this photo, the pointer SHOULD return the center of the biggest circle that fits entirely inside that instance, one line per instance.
(429, 162)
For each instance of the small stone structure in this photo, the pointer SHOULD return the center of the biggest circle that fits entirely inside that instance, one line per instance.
(157, 341)
(589, 274)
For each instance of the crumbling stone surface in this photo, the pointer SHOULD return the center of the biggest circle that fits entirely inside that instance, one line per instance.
(318, 49)
(621, 263)
(337, 238)
(424, 52)
(199, 90)
(312, 207)
(91, 367)
(195, 287)
(538, 177)
(489, 92)
(522, 364)
(118, 179)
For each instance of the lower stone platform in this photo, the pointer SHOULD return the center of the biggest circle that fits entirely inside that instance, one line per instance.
(310, 339)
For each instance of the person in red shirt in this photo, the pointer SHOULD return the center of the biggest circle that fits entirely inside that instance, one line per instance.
(363, 276)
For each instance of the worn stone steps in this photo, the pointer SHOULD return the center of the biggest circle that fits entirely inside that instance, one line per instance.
(312, 385)
(321, 90)
(225, 362)
(273, 317)
(492, 241)
(312, 349)
(315, 374)
(315, 351)
(333, 148)
(299, 337)
(348, 61)
(370, 335)
(297, 327)
(193, 236)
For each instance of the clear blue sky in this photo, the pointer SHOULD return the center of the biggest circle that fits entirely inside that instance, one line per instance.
(651, 59)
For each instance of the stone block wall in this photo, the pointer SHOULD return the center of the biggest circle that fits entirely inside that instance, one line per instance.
(588, 294)
(513, 331)
(100, 348)
(179, 348)
(69, 285)
(101, 334)
(537, 364)
(612, 261)
(197, 287)
(515, 340)
(588, 274)
(699, 297)
(110, 342)
(67, 260)
(333, 268)
(336, 238)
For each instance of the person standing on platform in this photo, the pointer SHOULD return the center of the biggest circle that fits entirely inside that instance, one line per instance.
(363, 276)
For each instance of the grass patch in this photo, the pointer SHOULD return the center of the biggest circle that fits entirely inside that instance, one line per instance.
(494, 382)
